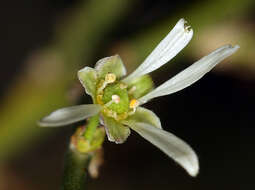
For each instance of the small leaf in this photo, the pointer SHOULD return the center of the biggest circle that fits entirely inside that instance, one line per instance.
(171, 145)
(143, 115)
(88, 79)
(116, 132)
(111, 64)
(69, 115)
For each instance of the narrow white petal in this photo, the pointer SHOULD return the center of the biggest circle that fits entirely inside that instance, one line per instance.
(192, 74)
(171, 145)
(69, 115)
(168, 48)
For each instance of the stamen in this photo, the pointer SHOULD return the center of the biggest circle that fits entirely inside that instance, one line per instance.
(116, 98)
(133, 104)
(110, 78)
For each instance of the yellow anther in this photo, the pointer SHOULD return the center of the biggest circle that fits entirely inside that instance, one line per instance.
(110, 78)
(133, 103)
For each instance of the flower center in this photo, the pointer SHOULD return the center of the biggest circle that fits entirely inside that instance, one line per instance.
(114, 97)
(118, 98)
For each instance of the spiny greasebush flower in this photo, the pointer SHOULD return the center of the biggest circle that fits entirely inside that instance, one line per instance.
(118, 100)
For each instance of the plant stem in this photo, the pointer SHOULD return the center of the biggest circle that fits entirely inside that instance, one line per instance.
(76, 161)
(91, 127)
(75, 170)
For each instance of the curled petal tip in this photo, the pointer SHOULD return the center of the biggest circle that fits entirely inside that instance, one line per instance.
(168, 48)
(182, 23)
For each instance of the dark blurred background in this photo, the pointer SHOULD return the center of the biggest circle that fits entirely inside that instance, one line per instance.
(44, 43)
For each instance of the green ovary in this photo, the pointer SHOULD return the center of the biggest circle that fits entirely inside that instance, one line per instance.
(115, 89)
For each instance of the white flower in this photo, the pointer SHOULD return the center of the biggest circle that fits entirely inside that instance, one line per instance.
(118, 100)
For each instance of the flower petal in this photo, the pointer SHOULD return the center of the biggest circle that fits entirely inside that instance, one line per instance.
(111, 64)
(168, 48)
(171, 145)
(144, 115)
(88, 79)
(116, 132)
(192, 74)
(68, 115)
(140, 86)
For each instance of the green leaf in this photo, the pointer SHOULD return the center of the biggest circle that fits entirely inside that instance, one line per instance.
(88, 79)
(116, 132)
(111, 64)
(140, 86)
(145, 116)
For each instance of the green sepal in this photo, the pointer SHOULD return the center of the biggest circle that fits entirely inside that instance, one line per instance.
(140, 86)
(143, 115)
(88, 79)
(111, 64)
(116, 132)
